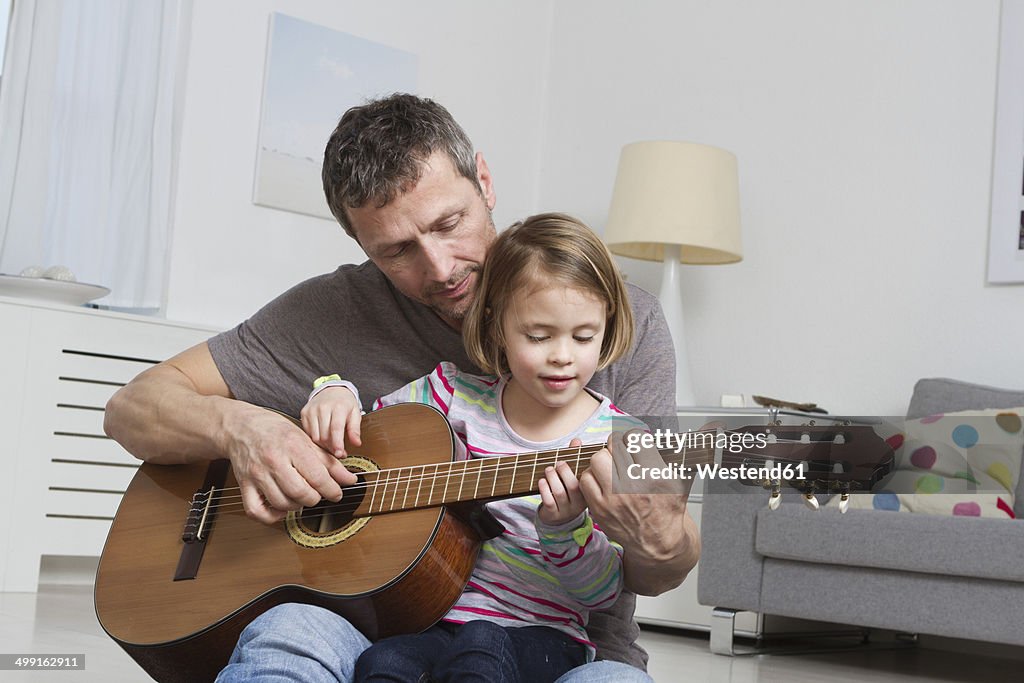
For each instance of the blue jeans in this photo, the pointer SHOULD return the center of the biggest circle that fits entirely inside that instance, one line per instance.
(295, 643)
(477, 651)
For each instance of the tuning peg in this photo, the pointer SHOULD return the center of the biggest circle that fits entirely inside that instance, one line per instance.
(844, 497)
(837, 468)
(776, 498)
(811, 501)
(805, 437)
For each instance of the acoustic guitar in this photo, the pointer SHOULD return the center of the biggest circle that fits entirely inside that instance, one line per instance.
(184, 569)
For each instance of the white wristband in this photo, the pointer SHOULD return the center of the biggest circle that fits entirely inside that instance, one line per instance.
(336, 383)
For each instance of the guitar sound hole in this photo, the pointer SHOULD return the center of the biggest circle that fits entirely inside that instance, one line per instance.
(325, 517)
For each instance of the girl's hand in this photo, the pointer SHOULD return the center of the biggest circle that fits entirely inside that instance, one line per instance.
(331, 415)
(561, 498)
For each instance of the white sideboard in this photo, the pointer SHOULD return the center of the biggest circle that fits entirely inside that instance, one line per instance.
(61, 477)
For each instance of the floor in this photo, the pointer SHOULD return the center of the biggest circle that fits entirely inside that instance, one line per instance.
(59, 620)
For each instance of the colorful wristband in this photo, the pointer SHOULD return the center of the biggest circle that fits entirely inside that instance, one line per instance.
(329, 381)
(326, 378)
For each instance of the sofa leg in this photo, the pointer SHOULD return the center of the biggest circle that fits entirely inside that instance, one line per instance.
(723, 631)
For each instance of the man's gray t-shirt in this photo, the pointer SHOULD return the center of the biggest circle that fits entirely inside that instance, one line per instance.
(353, 322)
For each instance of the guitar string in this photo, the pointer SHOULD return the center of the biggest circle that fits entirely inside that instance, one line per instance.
(596, 447)
(385, 482)
(459, 468)
(456, 469)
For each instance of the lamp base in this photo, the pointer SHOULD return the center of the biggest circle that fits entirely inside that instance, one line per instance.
(672, 303)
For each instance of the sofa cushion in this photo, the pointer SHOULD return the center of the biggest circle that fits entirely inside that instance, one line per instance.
(957, 546)
(941, 395)
(962, 463)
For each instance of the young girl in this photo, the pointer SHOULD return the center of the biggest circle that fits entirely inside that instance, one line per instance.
(551, 310)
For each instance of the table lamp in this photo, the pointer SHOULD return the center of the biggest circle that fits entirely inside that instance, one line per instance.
(676, 202)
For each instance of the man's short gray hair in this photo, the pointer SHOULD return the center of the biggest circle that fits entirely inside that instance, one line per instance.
(378, 150)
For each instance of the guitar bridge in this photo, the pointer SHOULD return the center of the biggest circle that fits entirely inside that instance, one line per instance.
(198, 513)
(199, 522)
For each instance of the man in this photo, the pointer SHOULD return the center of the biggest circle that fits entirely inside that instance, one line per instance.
(402, 179)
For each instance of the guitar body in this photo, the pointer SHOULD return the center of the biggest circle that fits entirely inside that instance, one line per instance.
(387, 574)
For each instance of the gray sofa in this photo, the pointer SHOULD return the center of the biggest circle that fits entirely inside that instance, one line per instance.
(949, 576)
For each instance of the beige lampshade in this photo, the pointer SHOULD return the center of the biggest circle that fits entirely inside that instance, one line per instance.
(676, 193)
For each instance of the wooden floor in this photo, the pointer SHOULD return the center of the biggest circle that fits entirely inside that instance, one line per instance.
(60, 620)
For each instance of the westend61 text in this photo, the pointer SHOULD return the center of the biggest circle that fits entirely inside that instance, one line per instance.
(713, 470)
(665, 440)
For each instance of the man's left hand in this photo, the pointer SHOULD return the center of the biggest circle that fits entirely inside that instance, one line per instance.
(648, 517)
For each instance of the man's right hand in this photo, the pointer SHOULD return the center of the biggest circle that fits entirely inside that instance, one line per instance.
(279, 468)
(181, 411)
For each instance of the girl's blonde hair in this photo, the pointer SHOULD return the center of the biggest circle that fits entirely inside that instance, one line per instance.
(549, 248)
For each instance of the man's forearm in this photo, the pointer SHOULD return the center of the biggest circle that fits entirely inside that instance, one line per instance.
(659, 560)
(182, 411)
(160, 417)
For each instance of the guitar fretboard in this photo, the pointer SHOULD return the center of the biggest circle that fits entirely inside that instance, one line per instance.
(489, 478)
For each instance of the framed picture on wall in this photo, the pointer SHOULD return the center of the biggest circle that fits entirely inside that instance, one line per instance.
(312, 75)
(1006, 229)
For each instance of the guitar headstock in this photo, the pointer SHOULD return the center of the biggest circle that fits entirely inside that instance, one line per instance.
(815, 459)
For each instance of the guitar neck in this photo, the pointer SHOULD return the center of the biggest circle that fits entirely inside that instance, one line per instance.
(479, 479)
(855, 459)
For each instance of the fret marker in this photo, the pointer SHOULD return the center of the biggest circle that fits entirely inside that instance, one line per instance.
(437, 469)
(394, 495)
(479, 473)
(515, 468)
(408, 485)
(423, 475)
(447, 480)
(384, 490)
(462, 482)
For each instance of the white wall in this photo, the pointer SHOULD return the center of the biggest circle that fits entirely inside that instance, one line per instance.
(863, 130)
(5, 15)
(229, 256)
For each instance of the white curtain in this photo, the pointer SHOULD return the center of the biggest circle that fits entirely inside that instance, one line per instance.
(88, 109)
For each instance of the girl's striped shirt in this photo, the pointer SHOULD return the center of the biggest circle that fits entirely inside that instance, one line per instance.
(532, 574)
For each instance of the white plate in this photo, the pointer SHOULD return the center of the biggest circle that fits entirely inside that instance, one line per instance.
(53, 291)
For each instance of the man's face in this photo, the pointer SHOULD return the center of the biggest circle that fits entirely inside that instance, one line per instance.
(431, 240)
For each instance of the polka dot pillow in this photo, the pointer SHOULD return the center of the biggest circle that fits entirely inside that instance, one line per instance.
(965, 463)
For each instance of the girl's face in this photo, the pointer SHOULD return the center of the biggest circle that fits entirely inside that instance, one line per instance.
(553, 336)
